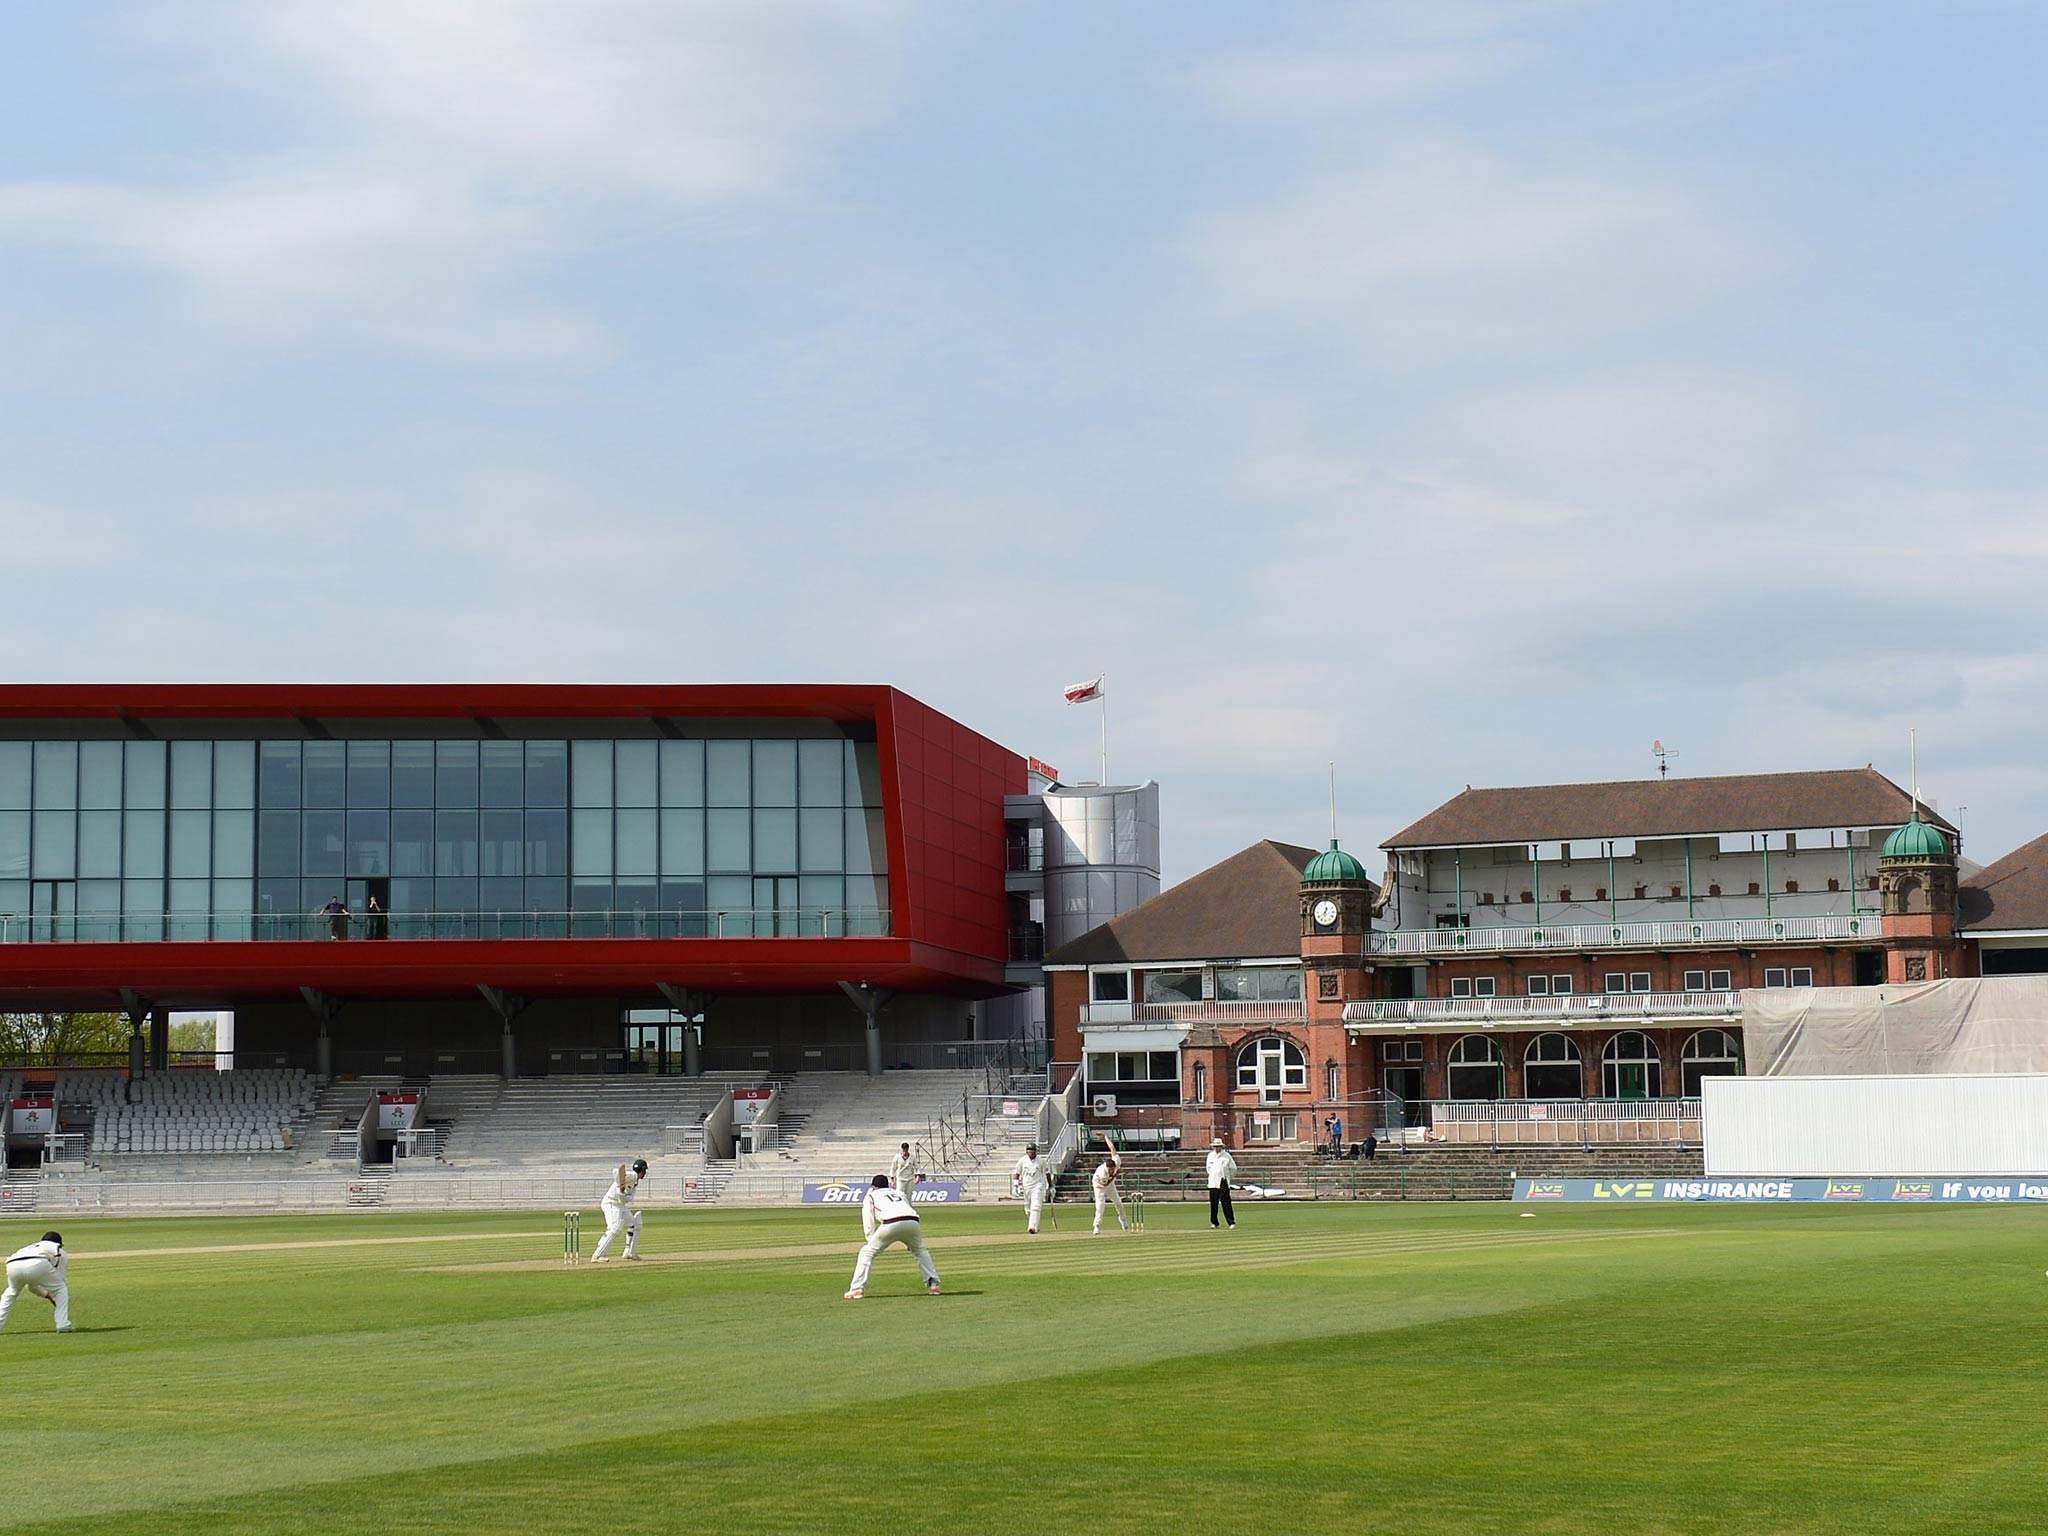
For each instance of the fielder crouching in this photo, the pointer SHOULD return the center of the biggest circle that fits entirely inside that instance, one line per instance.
(39, 1268)
(887, 1216)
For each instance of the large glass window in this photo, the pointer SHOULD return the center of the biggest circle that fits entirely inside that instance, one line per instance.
(1272, 1066)
(369, 773)
(15, 757)
(277, 774)
(99, 775)
(792, 827)
(1630, 1067)
(1473, 1069)
(1710, 1053)
(323, 769)
(1173, 986)
(727, 773)
(191, 775)
(1258, 984)
(234, 775)
(634, 774)
(1551, 1069)
(412, 773)
(501, 773)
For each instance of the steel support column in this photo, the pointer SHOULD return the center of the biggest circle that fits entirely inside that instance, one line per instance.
(870, 1001)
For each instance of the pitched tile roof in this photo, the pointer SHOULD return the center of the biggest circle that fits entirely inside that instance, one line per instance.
(1248, 907)
(1750, 802)
(2011, 892)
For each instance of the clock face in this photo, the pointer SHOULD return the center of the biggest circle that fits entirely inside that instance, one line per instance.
(1325, 913)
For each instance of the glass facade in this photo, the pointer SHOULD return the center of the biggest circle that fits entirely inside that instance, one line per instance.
(253, 839)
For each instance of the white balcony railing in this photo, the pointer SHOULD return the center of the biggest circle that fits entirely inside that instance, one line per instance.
(1573, 1008)
(1276, 1011)
(1702, 933)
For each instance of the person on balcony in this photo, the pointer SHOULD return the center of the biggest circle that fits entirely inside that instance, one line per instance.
(337, 914)
(379, 921)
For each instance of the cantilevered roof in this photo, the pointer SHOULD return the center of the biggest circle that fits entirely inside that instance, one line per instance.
(1246, 908)
(2011, 892)
(1638, 808)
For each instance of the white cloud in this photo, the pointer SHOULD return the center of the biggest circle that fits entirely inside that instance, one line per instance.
(713, 99)
(463, 146)
(1431, 245)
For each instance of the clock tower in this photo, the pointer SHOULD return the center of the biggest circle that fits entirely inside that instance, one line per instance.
(1336, 919)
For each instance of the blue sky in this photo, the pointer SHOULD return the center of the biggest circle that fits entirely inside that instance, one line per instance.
(1467, 393)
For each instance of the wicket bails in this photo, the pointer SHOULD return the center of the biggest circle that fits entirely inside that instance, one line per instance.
(572, 1236)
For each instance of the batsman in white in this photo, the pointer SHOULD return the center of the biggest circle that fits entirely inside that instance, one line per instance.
(39, 1268)
(619, 1215)
(1029, 1182)
(1103, 1181)
(886, 1217)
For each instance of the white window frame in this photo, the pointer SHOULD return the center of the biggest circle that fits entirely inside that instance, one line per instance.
(1799, 971)
(1461, 986)
(1614, 983)
(1638, 981)
(1774, 976)
(1560, 986)
(1539, 986)
(1095, 980)
(1720, 981)
(1483, 986)
(1695, 981)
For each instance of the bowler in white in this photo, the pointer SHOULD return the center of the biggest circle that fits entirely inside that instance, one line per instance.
(39, 1269)
(619, 1215)
(903, 1170)
(1103, 1181)
(886, 1217)
(1029, 1181)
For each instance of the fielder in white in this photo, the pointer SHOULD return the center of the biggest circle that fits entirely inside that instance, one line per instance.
(1103, 1181)
(1029, 1182)
(903, 1173)
(886, 1216)
(619, 1215)
(39, 1269)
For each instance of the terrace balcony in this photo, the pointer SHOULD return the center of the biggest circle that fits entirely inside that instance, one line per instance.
(1291, 1010)
(1701, 933)
(1586, 1010)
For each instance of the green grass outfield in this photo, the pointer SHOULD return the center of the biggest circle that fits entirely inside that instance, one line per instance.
(1334, 1368)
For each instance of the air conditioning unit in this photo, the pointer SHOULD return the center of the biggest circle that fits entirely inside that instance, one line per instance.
(1103, 1106)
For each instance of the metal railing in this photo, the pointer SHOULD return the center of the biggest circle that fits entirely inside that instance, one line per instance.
(1279, 1010)
(1576, 1007)
(1566, 1122)
(1865, 925)
(800, 922)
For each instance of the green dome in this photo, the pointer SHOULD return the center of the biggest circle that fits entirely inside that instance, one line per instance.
(1916, 840)
(1334, 866)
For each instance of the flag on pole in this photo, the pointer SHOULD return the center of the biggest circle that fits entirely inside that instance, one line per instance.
(1083, 693)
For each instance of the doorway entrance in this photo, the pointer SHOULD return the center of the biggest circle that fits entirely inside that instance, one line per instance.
(1404, 1096)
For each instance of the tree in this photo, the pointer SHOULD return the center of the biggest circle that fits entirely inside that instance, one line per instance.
(192, 1034)
(63, 1039)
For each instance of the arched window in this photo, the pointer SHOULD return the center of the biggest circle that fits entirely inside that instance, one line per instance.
(1271, 1065)
(1710, 1053)
(1630, 1068)
(1201, 1082)
(1473, 1070)
(1552, 1069)
(1912, 895)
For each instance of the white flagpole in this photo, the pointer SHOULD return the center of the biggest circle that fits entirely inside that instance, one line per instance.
(1102, 698)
